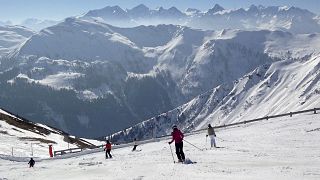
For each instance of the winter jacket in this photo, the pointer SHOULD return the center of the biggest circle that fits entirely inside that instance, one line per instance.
(211, 131)
(177, 136)
(108, 146)
(31, 162)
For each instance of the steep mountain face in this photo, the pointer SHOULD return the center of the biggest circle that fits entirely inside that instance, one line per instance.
(12, 36)
(16, 132)
(87, 99)
(292, 19)
(284, 77)
(274, 88)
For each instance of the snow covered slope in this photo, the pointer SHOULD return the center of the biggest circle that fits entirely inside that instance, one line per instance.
(23, 138)
(11, 37)
(284, 148)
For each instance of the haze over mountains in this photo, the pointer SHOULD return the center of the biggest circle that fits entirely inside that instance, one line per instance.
(91, 78)
(290, 19)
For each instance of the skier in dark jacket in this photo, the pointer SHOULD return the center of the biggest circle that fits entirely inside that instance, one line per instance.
(108, 149)
(177, 136)
(135, 144)
(31, 163)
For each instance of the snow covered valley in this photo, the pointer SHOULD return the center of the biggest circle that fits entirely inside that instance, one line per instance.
(282, 148)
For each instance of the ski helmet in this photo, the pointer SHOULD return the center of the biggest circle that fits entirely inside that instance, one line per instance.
(174, 126)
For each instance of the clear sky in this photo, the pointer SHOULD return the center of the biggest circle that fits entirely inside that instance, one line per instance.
(18, 10)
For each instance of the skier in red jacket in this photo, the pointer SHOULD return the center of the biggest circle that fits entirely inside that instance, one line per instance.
(108, 149)
(177, 136)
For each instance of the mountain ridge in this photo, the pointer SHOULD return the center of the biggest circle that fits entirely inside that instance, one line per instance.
(292, 19)
(96, 93)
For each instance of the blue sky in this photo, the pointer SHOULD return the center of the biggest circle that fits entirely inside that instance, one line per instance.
(18, 10)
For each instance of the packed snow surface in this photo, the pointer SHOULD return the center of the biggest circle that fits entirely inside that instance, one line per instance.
(282, 148)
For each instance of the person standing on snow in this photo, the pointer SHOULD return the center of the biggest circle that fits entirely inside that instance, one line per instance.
(177, 136)
(108, 149)
(212, 135)
(135, 144)
(31, 163)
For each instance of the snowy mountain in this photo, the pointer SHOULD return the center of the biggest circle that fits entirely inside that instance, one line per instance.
(94, 79)
(274, 88)
(22, 138)
(215, 9)
(139, 15)
(37, 24)
(86, 40)
(11, 37)
(292, 19)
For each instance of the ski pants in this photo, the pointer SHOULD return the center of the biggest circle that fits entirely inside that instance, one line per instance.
(134, 147)
(179, 151)
(108, 153)
(212, 141)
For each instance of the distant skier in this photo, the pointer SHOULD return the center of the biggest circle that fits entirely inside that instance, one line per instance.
(31, 163)
(212, 135)
(108, 149)
(177, 136)
(135, 144)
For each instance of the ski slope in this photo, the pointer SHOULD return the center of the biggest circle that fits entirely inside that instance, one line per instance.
(283, 148)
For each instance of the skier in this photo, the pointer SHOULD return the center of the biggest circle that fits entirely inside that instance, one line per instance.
(212, 135)
(31, 163)
(108, 149)
(177, 136)
(135, 144)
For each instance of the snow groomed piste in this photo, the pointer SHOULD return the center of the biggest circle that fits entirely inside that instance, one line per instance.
(284, 148)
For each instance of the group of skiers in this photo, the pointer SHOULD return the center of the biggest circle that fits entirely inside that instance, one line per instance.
(177, 137)
(108, 148)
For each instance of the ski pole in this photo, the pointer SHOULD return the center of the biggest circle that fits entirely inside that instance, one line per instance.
(193, 145)
(172, 154)
(206, 141)
(222, 139)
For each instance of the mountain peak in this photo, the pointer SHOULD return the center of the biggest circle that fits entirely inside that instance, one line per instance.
(215, 9)
(140, 7)
(114, 8)
(173, 9)
(139, 11)
(160, 8)
(253, 7)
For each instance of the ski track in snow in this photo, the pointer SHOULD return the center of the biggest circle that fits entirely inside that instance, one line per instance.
(283, 148)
